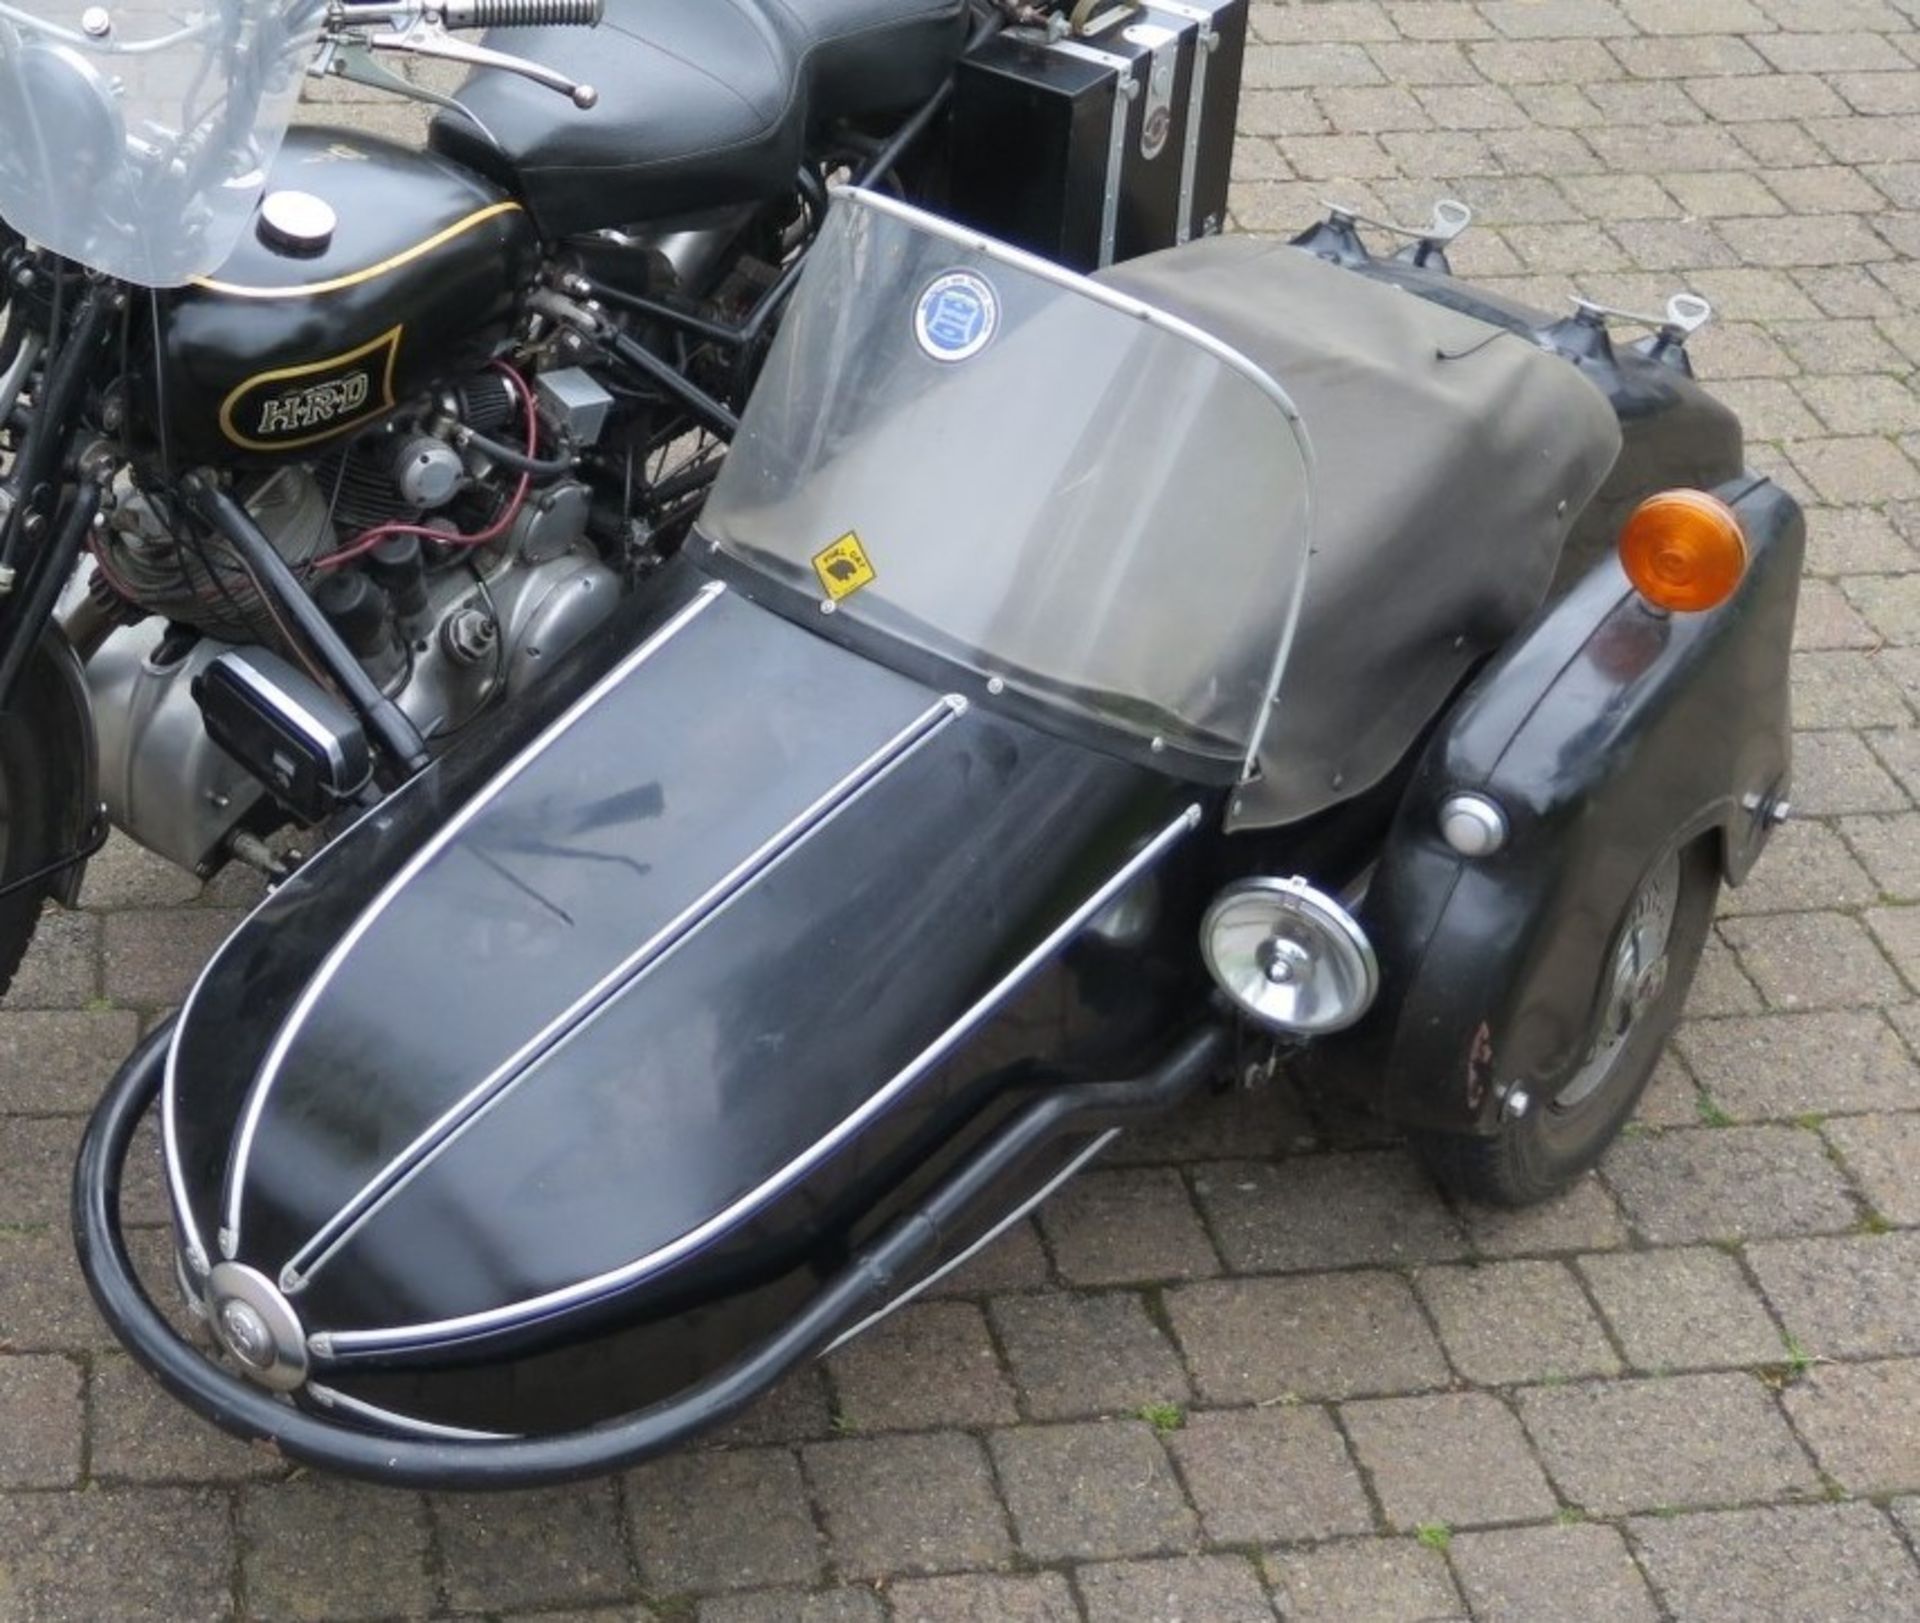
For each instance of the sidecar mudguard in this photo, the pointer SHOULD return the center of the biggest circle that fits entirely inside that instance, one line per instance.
(1609, 734)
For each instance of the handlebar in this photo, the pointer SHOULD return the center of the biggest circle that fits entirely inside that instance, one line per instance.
(522, 13)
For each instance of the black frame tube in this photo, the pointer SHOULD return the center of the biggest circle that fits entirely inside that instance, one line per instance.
(52, 430)
(45, 576)
(689, 393)
(395, 733)
(874, 1277)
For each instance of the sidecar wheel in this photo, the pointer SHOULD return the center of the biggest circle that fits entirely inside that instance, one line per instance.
(1570, 1121)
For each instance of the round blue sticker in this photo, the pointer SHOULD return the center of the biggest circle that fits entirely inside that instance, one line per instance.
(957, 316)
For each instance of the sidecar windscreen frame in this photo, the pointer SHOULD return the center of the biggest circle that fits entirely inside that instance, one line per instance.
(963, 453)
(139, 146)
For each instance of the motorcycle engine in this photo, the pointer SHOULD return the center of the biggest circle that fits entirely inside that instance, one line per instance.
(445, 629)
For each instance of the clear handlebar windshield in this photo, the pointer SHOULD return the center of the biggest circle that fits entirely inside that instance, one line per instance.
(135, 136)
(1015, 469)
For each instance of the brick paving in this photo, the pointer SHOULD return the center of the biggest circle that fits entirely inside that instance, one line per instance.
(1257, 1366)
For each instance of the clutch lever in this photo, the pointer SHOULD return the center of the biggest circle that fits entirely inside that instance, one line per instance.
(349, 47)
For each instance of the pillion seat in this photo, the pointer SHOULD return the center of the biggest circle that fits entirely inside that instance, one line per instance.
(702, 102)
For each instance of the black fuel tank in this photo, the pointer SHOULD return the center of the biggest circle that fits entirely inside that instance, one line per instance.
(283, 348)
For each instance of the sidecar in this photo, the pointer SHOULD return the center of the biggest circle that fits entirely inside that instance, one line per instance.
(1078, 693)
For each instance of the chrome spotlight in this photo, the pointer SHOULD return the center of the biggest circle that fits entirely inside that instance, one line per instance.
(1292, 958)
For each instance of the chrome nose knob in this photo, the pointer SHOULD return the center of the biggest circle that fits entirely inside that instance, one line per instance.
(257, 1326)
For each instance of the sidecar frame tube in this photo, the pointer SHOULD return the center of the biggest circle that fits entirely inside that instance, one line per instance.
(869, 1284)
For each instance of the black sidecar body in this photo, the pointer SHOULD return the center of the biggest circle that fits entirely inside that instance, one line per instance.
(1053, 655)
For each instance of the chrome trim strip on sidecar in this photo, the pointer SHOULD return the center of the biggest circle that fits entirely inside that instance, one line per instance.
(427, 1147)
(229, 1236)
(328, 1398)
(1086, 287)
(961, 1257)
(409, 1337)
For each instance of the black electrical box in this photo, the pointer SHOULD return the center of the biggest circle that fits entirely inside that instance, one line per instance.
(291, 734)
(1105, 144)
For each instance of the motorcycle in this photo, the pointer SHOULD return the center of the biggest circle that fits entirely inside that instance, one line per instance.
(1076, 693)
(353, 442)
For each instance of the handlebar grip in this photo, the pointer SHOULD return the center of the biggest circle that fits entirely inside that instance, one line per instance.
(524, 13)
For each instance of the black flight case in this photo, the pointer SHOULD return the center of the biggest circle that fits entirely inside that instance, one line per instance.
(1106, 144)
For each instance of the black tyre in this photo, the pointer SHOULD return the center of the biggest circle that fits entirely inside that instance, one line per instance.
(29, 764)
(1570, 1120)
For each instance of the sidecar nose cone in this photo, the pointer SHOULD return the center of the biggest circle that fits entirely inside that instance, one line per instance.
(257, 1326)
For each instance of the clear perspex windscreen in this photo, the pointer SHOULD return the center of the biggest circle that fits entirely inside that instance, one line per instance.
(1011, 468)
(135, 136)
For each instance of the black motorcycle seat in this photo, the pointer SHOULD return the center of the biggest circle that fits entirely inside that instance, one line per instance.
(702, 102)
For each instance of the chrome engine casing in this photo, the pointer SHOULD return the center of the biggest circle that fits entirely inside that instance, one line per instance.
(170, 787)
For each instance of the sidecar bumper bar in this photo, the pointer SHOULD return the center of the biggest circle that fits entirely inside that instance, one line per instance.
(870, 1281)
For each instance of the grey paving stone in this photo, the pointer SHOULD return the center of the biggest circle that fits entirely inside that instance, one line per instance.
(1270, 1476)
(1578, 1574)
(1883, 1154)
(1814, 961)
(151, 959)
(985, 1598)
(908, 1505)
(1720, 985)
(1216, 1588)
(797, 1410)
(1682, 1309)
(1076, 1356)
(1585, 1218)
(1862, 1422)
(1094, 1491)
(1672, 1099)
(1827, 620)
(930, 1364)
(1014, 1261)
(1368, 1580)
(321, 1549)
(40, 1423)
(1836, 774)
(1326, 1211)
(44, 1304)
(1782, 1564)
(1785, 1065)
(1728, 1183)
(59, 1060)
(1317, 1336)
(1845, 1297)
(37, 1153)
(149, 1555)
(62, 967)
(1111, 1228)
(124, 875)
(723, 1519)
(796, 1606)
(1264, 1121)
(559, 1547)
(1515, 1321)
(1458, 1458)
(1891, 604)
(141, 1434)
(1890, 847)
(1897, 929)
(1673, 1442)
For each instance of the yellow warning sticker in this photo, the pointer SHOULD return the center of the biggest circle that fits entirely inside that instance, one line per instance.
(844, 567)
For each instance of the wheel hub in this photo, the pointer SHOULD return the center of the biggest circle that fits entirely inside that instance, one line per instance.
(1636, 977)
